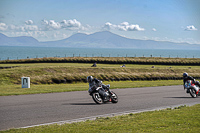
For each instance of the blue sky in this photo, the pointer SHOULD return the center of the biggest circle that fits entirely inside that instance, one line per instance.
(48, 20)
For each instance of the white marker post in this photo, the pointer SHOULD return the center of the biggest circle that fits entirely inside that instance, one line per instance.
(25, 82)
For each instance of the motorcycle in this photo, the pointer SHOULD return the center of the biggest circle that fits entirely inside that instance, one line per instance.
(191, 88)
(100, 95)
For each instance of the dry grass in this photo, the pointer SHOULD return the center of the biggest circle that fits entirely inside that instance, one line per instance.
(111, 60)
(48, 73)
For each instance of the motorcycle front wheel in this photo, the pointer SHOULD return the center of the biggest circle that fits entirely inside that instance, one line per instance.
(193, 93)
(114, 97)
(97, 98)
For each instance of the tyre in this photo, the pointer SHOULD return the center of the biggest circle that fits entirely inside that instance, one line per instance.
(114, 97)
(97, 98)
(193, 93)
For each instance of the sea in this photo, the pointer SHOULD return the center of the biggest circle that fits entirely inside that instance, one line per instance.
(18, 52)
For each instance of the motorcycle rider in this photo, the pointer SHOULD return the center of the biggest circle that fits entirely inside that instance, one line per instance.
(94, 83)
(187, 77)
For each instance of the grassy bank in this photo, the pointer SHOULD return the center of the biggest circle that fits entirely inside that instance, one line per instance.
(6, 90)
(179, 120)
(50, 73)
(45, 77)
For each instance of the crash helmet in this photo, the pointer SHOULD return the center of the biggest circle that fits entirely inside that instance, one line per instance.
(197, 82)
(185, 74)
(89, 79)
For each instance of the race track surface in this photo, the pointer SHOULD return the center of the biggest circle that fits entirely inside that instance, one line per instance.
(28, 110)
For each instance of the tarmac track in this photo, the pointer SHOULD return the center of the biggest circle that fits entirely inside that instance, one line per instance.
(29, 110)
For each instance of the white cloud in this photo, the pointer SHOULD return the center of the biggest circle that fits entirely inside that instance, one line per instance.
(45, 26)
(86, 27)
(190, 28)
(15, 28)
(23, 28)
(65, 24)
(29, 22)
(71, 24)
(31, 28)
(65, 35)
(3, 27)
(45, 30)
(45, 22)
(154, 29)
(124, 26)
(108, 26)
(134, 28)
(54, 25)
(188, 40)
(50, 25)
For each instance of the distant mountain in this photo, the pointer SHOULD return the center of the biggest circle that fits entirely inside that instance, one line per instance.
(107, 39)
(104, 39)
(18, 41)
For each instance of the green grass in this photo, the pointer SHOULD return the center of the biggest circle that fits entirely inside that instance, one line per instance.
(180, 120)
(6, 90)
(49, 73)
(170, 120)
(43, 76)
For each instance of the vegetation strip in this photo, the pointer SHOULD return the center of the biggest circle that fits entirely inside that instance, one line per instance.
(111, 60)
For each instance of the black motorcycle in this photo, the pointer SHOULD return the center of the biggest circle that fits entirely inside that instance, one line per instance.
(100, 95)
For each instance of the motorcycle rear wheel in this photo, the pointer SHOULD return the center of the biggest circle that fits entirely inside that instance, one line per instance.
(114, 98)
(193, 93)
(97, 98)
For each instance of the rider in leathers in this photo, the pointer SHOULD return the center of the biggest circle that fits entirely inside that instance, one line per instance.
(94, 83)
